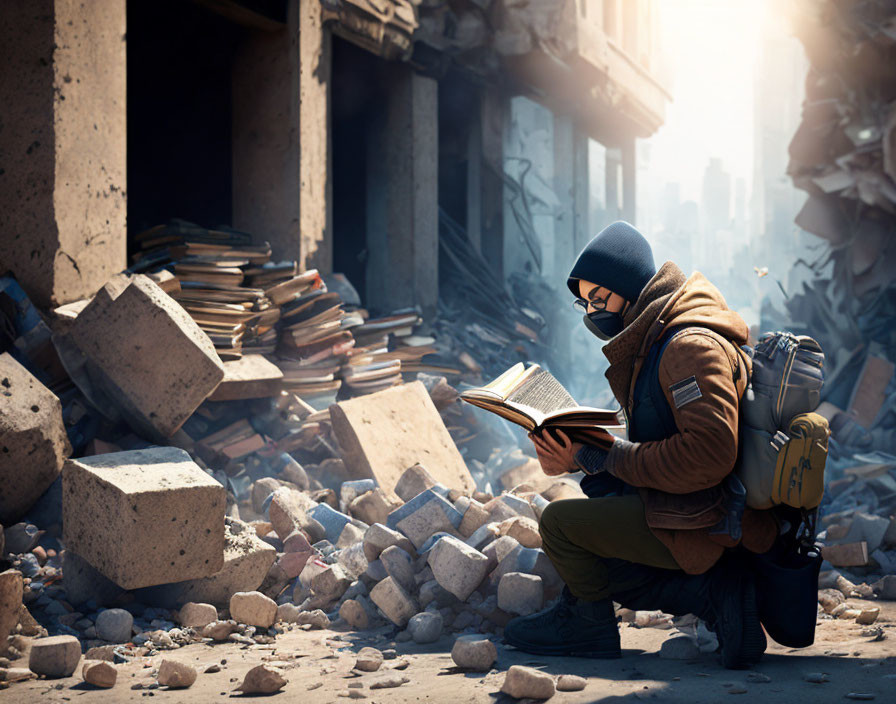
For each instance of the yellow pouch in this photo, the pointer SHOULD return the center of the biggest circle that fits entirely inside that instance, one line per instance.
(799, 471)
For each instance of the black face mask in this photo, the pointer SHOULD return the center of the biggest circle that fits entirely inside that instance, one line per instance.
(604, 324)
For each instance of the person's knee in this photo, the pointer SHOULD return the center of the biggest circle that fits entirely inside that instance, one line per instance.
(552, 517)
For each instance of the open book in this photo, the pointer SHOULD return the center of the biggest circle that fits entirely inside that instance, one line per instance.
(532, 398)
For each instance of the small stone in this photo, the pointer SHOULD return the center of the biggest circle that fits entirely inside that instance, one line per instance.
(816, 677)
(197, 615)
(99, 674)
(315, 619)
(369, 660)
(868, 616)
(571, 683)
(425, 627)
(528, 683)
(219, 630)
(262, 679)
(177, 675)
(55, 657)
(861, 696)
(212, 669)
(15, 674)
(389, 682)
(680, 648)
(758, 677)
(474, 653)
(354, 614)
(115, 625)
(253, 609)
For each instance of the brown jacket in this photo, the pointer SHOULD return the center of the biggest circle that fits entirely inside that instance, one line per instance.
(679, 477)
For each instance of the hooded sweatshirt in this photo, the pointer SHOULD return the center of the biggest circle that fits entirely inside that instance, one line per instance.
(680, 476)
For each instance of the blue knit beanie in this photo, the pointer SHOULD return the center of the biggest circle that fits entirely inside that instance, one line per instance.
(618, 258)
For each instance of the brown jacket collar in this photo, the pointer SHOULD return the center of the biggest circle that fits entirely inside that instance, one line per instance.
(623, 349)
(668, 300)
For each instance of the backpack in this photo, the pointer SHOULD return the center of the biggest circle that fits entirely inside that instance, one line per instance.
(783, 444)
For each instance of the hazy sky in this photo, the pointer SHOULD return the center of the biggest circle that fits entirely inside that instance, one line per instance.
(710, 48)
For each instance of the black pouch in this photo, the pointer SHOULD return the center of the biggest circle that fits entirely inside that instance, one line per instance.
(787, 592)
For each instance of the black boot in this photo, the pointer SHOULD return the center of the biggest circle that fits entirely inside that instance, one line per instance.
(724, 597)
(571, 627)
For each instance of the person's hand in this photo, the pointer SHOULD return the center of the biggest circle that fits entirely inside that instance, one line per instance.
(556, 456)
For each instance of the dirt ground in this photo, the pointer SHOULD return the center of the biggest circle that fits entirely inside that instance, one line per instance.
(319, 669)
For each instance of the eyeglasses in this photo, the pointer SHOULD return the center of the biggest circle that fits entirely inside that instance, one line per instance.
(597, 304)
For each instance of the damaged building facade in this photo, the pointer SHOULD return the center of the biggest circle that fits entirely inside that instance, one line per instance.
(334, 130)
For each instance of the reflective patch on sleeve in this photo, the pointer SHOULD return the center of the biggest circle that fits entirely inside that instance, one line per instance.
(685, 391)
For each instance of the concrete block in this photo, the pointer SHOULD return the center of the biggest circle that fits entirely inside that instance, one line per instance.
(400, 566)
(55, 657)
(425, 627)
(483, 536)
(474, 518)
(354, 614)
(288, 512)
(260, 493)
(523, 530)
(847, 554)
(414, 480)
(520, 594)
(457, 567)
(32, 437)
(379, 537)
(425, 514)
(384, 433)
(332, 520)
(350, 535)
(352, 560)
(253, 609)
(474, 653)
(330, 582)
(11, 586)
(145, 356)
(144, 517)
(99, 674)
(193, 615)
(250, 376)
(397, 605)
(372, 507)
(524, 682)
(247, 559)
(498, 549)
(352, 489)
(868, 528)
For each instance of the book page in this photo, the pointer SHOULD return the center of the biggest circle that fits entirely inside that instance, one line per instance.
(543, 394)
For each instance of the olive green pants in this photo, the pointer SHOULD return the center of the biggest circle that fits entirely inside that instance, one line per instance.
(591, 541)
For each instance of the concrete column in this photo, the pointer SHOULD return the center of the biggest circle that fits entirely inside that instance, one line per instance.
(62, 146)
(494, 109)
(281, 138)
(402, 195)
(629, 181)
(564, 181)
(614, 184)
(581, 193)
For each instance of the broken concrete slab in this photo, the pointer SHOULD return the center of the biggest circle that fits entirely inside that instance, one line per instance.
(397, 605)
(424, 515)
(372, 507)
(250, 376)
(33, 443)
(379, 537)
(247, 559)
(144, 517)
(144, 356)
(457, 567)
(414, 480)
(384, 433)
(847, 554)
(11, 587)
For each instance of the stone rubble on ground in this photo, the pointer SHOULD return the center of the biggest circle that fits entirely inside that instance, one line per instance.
(176, 674)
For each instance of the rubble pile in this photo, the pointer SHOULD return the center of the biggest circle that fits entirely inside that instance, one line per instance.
(842, 155)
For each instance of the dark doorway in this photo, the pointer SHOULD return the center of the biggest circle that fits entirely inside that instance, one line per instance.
(357, 101)
(179, 113)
